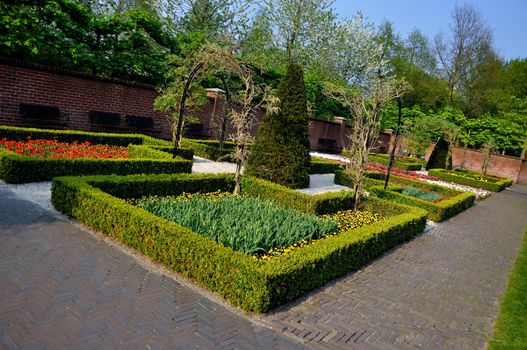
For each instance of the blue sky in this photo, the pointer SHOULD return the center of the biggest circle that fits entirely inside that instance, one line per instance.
(508, 18)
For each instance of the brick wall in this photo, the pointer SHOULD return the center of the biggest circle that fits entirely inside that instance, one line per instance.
(75, 96)
(505, 166)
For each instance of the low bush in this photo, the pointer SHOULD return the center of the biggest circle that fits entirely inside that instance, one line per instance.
(494, 184)
(253, 284)
(209, 149)
(404, 164)
(141, 151)
(244, 224)
(16, 168)
(453, 202)
(185, 153)
(324, 166)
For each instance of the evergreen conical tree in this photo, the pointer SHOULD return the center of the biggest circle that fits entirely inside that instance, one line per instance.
(438, 157)
(280, 152)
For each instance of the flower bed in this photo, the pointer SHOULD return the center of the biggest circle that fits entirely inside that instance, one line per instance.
(452, 203)
(465, 177)
(245, 224)
(56, 149)
(43, 164)
(252, 283)
(479, 192)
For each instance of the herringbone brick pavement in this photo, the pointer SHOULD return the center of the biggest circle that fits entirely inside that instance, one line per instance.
(439, 291)
(62, 288)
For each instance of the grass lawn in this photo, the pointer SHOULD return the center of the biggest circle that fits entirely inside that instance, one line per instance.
(511, 326)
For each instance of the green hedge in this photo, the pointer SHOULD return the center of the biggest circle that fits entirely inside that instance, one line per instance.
(494, 185)
(413, 165)
(313, 204)
(324, 166)
(437, 211)
(16, 168)
(143, 151)
(209, 149)
(254, 285)
(185, 153)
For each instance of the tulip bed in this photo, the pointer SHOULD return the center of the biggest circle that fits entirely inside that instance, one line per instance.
(253, 283)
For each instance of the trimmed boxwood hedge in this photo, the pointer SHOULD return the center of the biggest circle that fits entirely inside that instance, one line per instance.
(399, 163)
(437, 211)
(449, 175)
(16, 168)
(209, 149)
(185, 153)
(255, 285)
(324, 166)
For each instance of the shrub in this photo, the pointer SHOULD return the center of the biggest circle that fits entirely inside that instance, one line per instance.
(15, 168)
(453, 203)
(280, 152)
(209, 149)
(253, 284)
(140, 151)
(439, 155)
(324, 166)
(406, 164)
(493, 185)
(244, 224)
(184, 152)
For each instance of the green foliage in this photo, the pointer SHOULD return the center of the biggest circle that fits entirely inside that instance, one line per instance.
(246, 282)
(131, 45)
(141, 151)
(488, 183)
(280, 152)
(209, 149)
(438, 158)
(406, 164)
(185, 153)
(511, 325)
(317, 204)
(453, 203)
(248, 225)
(416, 192)
(18, 169)
(324, 166)
(21, 134)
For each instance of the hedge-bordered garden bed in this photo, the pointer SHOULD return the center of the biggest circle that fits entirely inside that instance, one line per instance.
(253, 284)
(454, 203)
(404, 164)
(15, 168)
(324, 166)
(465, 177)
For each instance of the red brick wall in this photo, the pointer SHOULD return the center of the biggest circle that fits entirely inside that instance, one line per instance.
(75, 96)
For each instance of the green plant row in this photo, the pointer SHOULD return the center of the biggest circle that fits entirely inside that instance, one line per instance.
(209, 149)
(255, 285)
(16, 168)
(456, 202)
(324, 166)
(495, 186)
(249, 225)
(399, 163)
(143, 151)
(185, 153)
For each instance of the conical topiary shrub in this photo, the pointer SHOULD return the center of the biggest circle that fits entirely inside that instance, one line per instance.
(438, 157)
(280, 152)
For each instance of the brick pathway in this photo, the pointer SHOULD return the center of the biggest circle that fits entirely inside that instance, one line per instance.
(439, 291)
(62, 288)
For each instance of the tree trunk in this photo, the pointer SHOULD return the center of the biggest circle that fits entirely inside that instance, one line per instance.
(240, 159)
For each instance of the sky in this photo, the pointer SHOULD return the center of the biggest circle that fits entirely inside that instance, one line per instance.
(507, 18)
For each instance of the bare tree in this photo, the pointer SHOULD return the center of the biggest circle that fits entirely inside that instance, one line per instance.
(365, 106)
(469, 41)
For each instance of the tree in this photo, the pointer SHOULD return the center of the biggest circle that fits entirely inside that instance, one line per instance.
(301, 27)
(468, 45)
(185, 90)
(280, 152)
(365, 106)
